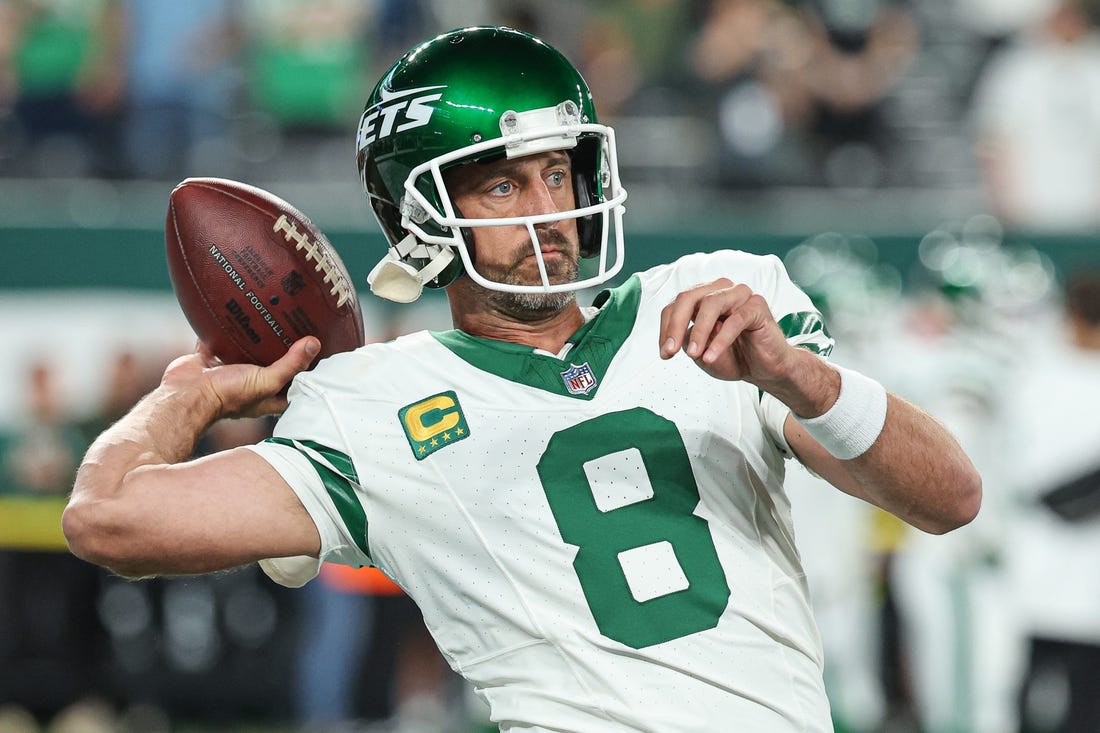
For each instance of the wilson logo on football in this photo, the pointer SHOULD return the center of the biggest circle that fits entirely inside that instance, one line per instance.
(397, 112)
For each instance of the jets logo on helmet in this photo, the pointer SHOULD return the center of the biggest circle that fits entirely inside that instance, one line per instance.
(434, 110)
(381, 120)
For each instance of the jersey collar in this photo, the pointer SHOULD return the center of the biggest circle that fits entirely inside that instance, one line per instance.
(595, 345)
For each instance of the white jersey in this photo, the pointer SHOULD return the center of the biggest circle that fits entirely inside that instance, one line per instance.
(1033, 97)
(1056, 435)
(598, 542)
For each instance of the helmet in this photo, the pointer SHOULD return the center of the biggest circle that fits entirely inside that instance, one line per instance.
(478, 94)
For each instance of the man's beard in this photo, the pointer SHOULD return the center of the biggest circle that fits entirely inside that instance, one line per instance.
(562, 269)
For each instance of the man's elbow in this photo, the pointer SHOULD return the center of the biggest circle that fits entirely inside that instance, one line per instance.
(969, 500)
(963, 506)
(94, 534)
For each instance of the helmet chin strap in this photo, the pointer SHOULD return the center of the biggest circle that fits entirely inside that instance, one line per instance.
(396, 280)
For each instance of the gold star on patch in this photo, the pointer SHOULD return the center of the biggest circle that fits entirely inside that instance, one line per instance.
(460, 432)
(434, 442)
(446, 437)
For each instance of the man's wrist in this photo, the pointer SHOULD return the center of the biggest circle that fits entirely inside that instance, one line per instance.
(172, 419)
(812, 387)
(852, 425)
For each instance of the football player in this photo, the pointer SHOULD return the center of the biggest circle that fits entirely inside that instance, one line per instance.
(586, 502)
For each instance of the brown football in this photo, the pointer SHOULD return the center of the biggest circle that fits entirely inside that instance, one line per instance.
(253, 274)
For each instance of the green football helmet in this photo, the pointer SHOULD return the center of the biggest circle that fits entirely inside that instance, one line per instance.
(476, 94)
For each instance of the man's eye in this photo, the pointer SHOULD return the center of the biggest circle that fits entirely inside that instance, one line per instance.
(557, 178)
(501, 189)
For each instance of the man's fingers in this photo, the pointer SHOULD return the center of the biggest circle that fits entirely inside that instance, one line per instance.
(263, 390)
(729, 328)
(707, 321)
(750, 314)
(673, 328)
(712, 311)
(296, 359)
(677, 316)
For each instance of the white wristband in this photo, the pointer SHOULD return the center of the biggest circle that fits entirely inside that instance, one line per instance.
(854, 421)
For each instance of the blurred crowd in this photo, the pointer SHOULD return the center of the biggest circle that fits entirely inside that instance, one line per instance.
(734, 94)
(992, 629)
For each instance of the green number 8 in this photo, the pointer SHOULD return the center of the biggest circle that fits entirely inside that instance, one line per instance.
(666, 516)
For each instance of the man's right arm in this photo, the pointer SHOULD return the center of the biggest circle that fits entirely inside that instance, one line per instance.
(140, 508)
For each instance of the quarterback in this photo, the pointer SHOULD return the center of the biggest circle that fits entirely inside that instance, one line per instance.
(586, 502)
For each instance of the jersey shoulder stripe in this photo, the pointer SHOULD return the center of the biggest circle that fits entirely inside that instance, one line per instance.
(797, 326)
(339, 478)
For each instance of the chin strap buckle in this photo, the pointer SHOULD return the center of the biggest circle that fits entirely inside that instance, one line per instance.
(393, 278)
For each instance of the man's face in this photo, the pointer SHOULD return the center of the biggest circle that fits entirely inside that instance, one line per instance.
(535, 184)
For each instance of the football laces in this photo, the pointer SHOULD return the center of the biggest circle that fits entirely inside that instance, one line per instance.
(316, 252)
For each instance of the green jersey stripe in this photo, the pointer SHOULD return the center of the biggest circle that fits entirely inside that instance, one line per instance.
(338, 484)
(806, 323)
(340, 461)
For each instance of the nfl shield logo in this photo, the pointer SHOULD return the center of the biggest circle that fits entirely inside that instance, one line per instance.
(579, 379)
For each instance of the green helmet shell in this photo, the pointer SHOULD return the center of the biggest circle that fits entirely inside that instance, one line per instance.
(449, 93)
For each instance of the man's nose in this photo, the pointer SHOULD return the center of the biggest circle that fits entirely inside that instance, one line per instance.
(538, 200)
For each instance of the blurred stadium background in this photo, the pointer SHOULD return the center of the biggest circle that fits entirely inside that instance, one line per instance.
(930, 172)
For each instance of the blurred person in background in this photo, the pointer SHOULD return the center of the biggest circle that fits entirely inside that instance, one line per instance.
(995, 21)
(359, 627)
(51, 642)
(746, 59)
(1036, 117)
(631, 46)
(860, 52)
(958, 354)
(1054, 536)
(43, 457)
(128, 378)
(398, 24)
(306, 65)
(62, 78)
(182, 86)
(797, 92)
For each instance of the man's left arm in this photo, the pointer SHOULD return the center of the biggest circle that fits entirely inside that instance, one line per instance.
(914, 468)
(843, 426)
